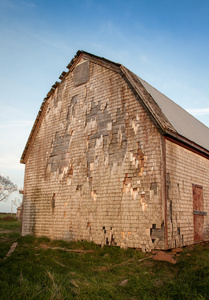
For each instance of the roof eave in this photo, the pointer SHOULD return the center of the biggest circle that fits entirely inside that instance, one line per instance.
(174, 136)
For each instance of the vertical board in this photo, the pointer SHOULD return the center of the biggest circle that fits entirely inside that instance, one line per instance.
(198, 218)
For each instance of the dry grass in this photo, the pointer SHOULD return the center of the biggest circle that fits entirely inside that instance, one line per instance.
(44, 269)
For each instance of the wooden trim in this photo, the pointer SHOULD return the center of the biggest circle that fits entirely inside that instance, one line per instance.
(149, 104)
(197, 186)
(188, 145)
(102, 62)
(33, 133)
(200, 213)
(165, 190)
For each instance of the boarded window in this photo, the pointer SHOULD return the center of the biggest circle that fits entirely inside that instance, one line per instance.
(81, 73)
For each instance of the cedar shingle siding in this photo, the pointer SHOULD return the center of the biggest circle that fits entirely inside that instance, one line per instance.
(104, 163)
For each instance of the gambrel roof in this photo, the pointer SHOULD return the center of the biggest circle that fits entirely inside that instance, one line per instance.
(171, 119)
(182, 124)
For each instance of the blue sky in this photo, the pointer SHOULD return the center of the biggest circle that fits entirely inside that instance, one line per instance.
(165, 42)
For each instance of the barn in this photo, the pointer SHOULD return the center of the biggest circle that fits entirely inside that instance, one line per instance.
(112, 160)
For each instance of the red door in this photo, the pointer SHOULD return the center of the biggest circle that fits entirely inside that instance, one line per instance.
(198, 212)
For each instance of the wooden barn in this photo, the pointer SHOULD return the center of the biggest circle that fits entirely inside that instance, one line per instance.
(112, 160)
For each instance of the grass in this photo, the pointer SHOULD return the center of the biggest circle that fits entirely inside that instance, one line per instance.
(9, 233)
(36, 270)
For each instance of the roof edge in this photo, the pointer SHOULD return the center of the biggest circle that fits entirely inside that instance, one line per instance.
(85, 53)
(166, 128)
(35, 127)
(79, 54)
(148, 101)
(190, 144)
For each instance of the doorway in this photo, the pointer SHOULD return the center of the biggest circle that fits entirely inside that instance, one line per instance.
(198, 212)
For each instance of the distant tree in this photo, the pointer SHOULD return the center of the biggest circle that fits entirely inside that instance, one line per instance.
(7, 187)
(17, 202)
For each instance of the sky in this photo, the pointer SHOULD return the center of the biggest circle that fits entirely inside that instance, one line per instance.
(165, 42)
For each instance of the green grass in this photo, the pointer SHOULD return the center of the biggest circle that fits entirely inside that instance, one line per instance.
(36, 271)
(9, 233)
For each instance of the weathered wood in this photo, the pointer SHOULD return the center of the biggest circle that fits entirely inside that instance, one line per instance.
(99, 169)
(81, 73)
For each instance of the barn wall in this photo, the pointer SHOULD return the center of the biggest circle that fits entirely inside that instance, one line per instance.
(94, 171)
(185, 169)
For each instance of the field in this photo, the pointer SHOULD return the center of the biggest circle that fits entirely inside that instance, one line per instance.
(43, 269)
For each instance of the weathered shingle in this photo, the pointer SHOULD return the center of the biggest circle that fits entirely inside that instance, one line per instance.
(167, 115)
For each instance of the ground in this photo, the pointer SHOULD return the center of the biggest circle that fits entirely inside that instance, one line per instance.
(43, 269)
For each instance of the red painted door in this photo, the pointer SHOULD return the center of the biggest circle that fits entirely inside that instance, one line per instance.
(198, 212)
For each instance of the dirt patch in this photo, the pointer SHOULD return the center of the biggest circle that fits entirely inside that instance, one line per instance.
(65, 249)
(162, 256)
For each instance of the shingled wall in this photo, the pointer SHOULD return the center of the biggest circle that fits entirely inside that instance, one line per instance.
(185, 169)
(94, 170)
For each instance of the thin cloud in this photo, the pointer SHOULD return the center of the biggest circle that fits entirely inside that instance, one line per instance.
(198, 111)
(9, 4)
(18, 123)
(29, 4)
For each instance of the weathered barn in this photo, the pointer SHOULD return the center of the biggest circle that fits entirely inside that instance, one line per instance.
(112, 160)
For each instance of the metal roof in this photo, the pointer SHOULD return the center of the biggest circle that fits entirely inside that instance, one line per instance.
(184, 123)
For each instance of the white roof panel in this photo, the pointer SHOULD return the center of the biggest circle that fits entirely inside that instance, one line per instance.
(184, 123)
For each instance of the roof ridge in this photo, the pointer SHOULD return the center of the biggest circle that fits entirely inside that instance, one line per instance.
(91, 55)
